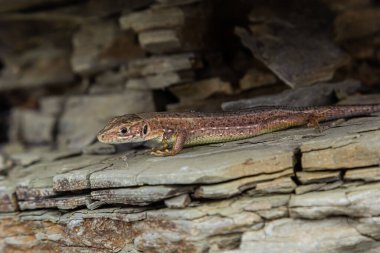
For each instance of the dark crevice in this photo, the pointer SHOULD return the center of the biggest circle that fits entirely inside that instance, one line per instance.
(297, 165)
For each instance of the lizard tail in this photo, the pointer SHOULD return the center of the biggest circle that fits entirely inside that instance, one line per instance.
(344, 111)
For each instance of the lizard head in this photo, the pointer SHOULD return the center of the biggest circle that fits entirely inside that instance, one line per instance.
(125, 129)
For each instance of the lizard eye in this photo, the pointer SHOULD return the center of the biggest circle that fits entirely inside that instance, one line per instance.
(145, 129)
(123, 130)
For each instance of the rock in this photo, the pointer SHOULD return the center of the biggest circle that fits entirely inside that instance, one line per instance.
(99, 149)
(76, 131)
(109, 82)
(341, 151)
(356, 201)
(151, 19)
(181, 201)
(8, 200)
(139, 196)
(255, 78)
(77, 179)
(310, 57)
(235, 187)
(287, 235)
(201, 90)
(35, 127)
(25, 159)
(52, 105)
(366, 175)
(320, 94)
(102, 45)
(159, 81)
(361, 99)
(272, 208)
(37, 68)
(301, 189)
(191, 167)
(160, 41)
(355, 24)
(162, 64)
(318, 177)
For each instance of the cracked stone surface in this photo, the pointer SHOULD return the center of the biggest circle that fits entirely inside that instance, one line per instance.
(288, 191)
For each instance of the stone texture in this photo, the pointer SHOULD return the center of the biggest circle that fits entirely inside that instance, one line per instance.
(319, 94)
(236, 187)
(287, 235)
(181, 201)
(201, 90)
(162, 64)
(257, 205)
(98, 109)
(356, 24)
(102, 45)
(159, 81)
(160, 41)
(310, 57)
(139, 196)
(255, 78)
(37, 68)
(153, 19)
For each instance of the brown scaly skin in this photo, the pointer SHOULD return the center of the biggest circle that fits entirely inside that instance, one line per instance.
(177, 130)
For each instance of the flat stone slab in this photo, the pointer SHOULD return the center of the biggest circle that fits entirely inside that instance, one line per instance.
(300, 160)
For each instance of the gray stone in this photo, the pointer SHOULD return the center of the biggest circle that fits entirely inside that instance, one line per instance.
(52, 105)
(159, 81)
(99, 149)
(77, 179)
(37, 128)
(37, 68)
(138, 196)
(255, 78)
(160, 41)
(25, 159)
(235, 187)
(76, 131)
(64, 203)
(100, 45)
(336, 151)
(192, 167)
(279, 185)
(8, 200)
(151, 19)
(201, 90)
(162, 64)
(318, 177)
(365, 174)
(287, 235)
(181, 201)
(310, 58)
(357, 201)
(319, 94)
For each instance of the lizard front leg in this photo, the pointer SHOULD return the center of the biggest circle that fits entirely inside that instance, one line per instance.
(177, 138)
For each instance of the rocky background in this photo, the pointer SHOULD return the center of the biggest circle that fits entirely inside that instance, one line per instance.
(67, 66)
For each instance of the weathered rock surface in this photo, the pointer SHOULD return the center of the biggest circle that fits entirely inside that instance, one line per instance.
(99, 109)
(319, 94)
(310, 55)
(278, 192)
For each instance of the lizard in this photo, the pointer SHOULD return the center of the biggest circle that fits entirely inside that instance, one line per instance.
(176, 130)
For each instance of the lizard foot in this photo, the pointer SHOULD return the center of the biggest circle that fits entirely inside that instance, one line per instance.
(164, 152)
(314, 122)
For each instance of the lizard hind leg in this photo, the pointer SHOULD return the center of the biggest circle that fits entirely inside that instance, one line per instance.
(313, 121)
